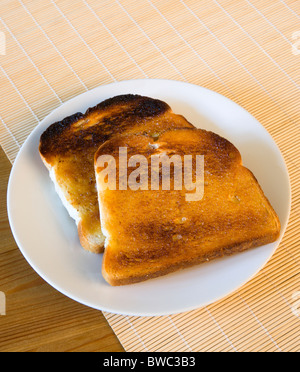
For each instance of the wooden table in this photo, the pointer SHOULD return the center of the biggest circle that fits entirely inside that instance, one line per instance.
(38, 317)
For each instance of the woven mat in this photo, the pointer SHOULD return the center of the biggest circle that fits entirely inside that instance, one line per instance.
(248, 51)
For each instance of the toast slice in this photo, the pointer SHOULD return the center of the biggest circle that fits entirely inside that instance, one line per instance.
(67, 148)
(162, 231)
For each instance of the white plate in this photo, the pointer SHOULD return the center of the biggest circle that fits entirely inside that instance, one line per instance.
(47, 236)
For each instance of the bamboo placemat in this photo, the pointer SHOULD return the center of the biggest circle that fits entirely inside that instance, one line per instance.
(246, 50)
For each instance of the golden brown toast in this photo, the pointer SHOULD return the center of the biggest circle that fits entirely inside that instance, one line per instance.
(162, 231)
(67, 149)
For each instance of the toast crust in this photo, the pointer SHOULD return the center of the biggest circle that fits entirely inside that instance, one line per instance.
(68, 146)
(80, 132)
(227, 252)
(162, 232)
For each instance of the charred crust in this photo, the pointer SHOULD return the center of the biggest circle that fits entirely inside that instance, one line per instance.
(117, 100)
(55, 130)
(222, 143)
(143, 106)
(59, 138)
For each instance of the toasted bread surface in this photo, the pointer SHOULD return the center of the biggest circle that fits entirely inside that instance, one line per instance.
(68, 147)
(162, 231)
